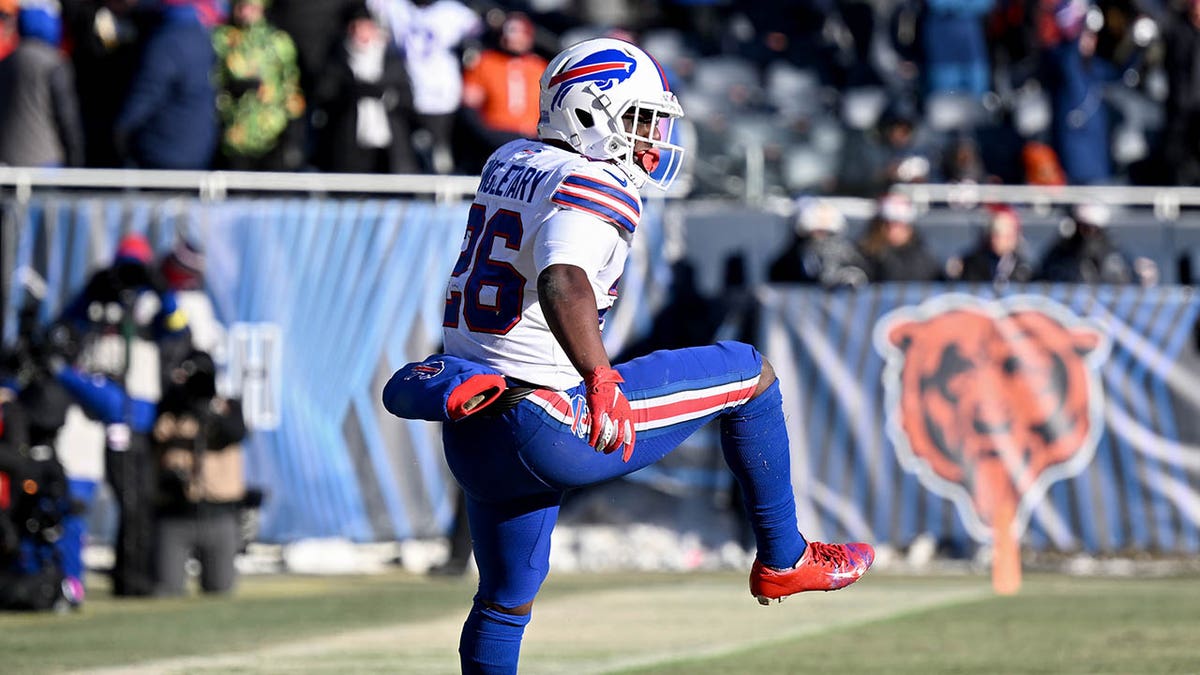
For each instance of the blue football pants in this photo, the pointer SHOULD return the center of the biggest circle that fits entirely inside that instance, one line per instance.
(515, 467)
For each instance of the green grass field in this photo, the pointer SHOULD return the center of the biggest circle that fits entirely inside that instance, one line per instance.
(700, 623)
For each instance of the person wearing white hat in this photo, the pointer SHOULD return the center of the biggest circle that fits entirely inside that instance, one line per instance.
(893, 247)
(819, 252)
(1085, 254)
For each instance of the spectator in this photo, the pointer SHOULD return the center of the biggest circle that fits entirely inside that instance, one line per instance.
(894, 152)
(429, 32)
(819, 252)
(954, 47)
(258, 92)
(42, 535)
(701, 22)
(39, 113)
(1075, 77)
(8, 28)
(365, 103)
(316, 30)
(121, 314)
(107, 38)
(1041, 165)
(796, 31)
(1085, 254)
(169, 120)
(197, 442)
(500, 90)
(182, 274)
(1012, 43)
(892, 246)
(998, 257)
(1181, 139)
(962, 162)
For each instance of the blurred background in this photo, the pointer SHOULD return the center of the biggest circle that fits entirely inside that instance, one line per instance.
(964, 231)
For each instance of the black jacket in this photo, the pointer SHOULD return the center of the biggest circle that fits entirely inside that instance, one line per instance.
(831, 261)
(337, 96)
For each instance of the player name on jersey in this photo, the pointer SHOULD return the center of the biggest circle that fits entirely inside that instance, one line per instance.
(510, 181)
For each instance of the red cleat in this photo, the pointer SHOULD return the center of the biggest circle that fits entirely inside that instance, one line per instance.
(823, 567)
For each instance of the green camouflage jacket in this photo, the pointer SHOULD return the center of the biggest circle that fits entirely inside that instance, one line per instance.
(258, 86)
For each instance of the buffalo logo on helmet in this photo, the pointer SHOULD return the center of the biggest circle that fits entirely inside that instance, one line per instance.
(990, 402)
(605, 68)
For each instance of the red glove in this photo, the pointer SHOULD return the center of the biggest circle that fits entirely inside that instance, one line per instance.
(609, 414)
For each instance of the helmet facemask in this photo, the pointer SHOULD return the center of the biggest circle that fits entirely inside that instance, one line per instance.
(649, 155)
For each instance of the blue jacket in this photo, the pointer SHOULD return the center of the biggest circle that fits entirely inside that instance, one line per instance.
(105, 400)
(1079, 125)
(170, 119)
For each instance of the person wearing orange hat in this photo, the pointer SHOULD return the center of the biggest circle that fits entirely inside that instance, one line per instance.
(8, 28)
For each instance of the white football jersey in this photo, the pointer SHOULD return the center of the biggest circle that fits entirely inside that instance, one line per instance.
(429, 36)
(536, 206)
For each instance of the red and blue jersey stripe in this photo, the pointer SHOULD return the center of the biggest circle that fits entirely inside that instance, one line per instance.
(603, 200)
(656, 412)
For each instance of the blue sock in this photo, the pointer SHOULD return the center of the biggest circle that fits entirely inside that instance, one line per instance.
(491, 641)
(754, 441)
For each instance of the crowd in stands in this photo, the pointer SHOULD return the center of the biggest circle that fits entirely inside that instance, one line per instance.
(891, 248)
(815, 96)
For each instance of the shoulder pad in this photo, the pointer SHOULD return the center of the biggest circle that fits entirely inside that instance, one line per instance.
(603, 191)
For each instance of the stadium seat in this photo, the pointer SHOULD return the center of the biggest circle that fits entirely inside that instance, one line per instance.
(723, 74)
(794, 92)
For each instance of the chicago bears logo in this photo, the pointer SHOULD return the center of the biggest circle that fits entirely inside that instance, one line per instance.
(989, 402)
(425, 370)
(606, 68)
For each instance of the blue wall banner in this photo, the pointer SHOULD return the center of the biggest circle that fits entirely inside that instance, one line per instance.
(1066, 416)
(320, 301)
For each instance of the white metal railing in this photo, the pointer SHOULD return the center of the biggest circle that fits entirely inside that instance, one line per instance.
(1166, 201)
(217, 184)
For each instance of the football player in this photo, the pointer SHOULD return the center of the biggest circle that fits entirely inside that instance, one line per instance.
(545, 244)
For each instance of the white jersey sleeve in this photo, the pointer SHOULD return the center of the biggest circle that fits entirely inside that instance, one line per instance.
(575, 238)
(429, 36)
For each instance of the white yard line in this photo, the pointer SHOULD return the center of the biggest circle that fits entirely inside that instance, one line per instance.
(589, 633)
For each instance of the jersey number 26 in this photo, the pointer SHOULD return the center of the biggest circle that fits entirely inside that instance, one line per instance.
(494, 290)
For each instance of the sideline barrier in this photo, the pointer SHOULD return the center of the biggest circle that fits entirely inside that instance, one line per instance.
(354, 287)
(1066, 416)
(322, 300)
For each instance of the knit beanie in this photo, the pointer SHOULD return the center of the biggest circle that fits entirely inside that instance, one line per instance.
(183, 267)
(134, 248)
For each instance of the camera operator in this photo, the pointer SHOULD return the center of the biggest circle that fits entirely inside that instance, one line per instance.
(197, 440)
(123, 315)
(41, 523)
